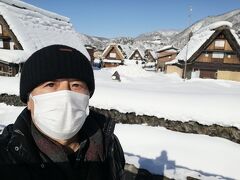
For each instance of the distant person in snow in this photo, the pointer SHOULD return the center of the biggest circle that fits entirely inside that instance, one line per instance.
(56, 136)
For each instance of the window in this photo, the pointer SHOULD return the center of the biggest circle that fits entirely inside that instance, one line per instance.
(1, 43)
(136, 55)
(229, 56)
(218, 55)
(206, 54)
(1, 30)
(12, 45)
(112, 55)
(219, 43)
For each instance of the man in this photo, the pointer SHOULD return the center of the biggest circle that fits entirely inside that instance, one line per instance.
(57, 136)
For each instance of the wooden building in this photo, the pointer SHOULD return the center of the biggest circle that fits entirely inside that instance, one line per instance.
(112, 56)
(8, 41)
(217, 57)
(165, 54)
(137, 54)
(98, 53)
(150, 55)
(90, 50)
(25, 29)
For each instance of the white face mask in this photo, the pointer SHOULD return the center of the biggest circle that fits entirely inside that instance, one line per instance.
(61, 114)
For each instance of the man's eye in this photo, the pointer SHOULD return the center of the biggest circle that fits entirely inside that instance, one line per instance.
(75, 85)
(50, 84)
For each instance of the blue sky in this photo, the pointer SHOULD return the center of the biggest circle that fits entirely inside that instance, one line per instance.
(114, 18)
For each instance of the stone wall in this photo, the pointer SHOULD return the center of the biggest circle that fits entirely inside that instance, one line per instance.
(11, 100)
(231, 133)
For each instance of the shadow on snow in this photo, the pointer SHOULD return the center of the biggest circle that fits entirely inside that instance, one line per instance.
(162, 164)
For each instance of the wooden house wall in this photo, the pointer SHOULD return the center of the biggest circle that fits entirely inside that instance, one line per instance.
(149, 56)
(174, 69)
(91, 53)
(226, 47)
(110, 65)
(225, 67)
(9, 69)
(1, 29)
(113, 50)
(228, 75)
(233, 59)
(165, 53)
(229, 54)
(228, 58)
(212, 74)
(167, 57)
(136, 55)
(8, 39)
(8, 36)
(98, 54)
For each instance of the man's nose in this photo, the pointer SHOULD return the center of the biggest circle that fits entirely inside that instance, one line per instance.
(64, 85)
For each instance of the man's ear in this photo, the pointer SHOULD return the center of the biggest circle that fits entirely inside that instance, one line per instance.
(30, 104)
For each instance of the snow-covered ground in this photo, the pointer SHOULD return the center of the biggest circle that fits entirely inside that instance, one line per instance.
(168, 96)
(161, 151)
(178, 155)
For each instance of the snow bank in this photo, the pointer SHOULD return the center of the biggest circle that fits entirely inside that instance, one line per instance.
(8, 114)
(162, 95)
(178, 155)
(168, 96)
(9, 85)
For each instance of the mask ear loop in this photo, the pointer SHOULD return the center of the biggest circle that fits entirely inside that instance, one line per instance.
(30, 97)
(87, 110)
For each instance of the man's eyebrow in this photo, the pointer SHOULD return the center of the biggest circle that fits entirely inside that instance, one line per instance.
(47, 82)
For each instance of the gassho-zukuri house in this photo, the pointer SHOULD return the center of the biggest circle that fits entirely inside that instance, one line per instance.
(137, 54)
(212, 52)
(114, 54)
(25, 28)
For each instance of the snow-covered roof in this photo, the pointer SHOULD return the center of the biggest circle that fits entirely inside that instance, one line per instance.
(199, 37)
(141, 52)
(108, 48)
(154, 55)
(126, 49)
(36, 28)
(170, 48)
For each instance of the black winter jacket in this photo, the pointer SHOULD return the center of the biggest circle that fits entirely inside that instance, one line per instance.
(20, 157)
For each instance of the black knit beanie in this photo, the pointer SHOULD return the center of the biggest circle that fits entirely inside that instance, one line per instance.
(55, 62)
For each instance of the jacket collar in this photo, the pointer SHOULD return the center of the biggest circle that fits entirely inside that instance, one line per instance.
(21, 143)
(24, 148)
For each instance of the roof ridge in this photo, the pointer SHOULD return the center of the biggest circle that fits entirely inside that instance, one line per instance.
(24, 5)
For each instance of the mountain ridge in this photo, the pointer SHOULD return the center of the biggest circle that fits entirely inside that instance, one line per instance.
(157, 39)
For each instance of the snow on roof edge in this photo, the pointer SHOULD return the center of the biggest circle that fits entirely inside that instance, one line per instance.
(214, 26)
(29, 25)
(199, 37)
(21, 4)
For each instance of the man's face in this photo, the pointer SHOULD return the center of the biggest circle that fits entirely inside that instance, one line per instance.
(57, 85)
